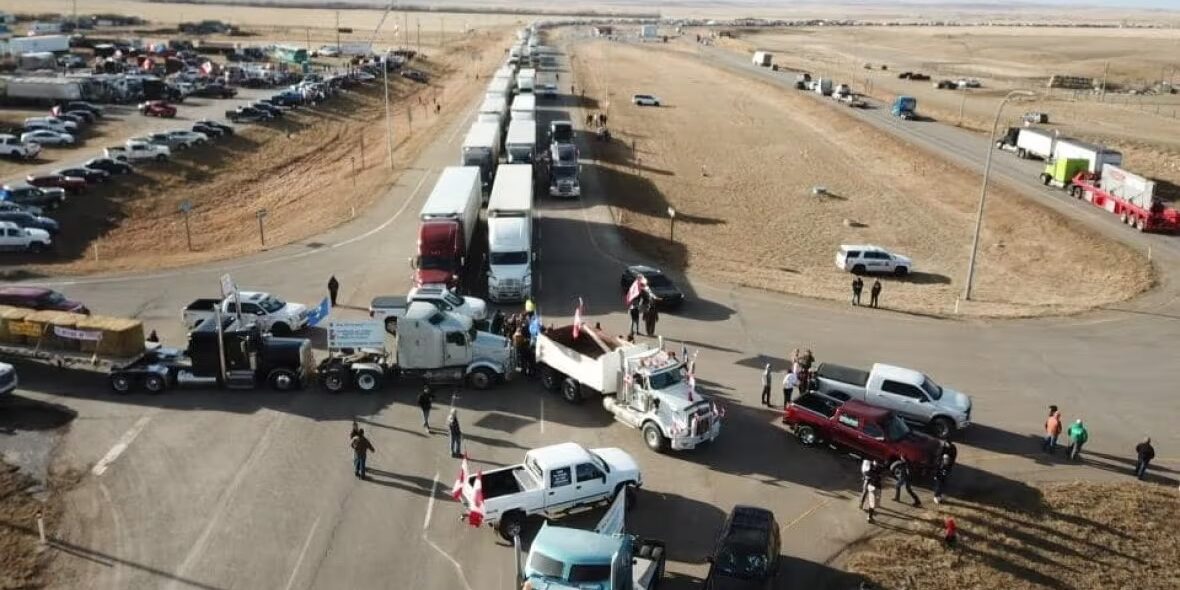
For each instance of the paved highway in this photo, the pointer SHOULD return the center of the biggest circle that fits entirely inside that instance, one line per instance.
(253, 489)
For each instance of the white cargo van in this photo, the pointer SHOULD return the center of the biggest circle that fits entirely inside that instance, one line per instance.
(510, 234)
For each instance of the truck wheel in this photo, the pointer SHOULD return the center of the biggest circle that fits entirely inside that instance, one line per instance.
(282, 380)
(37, 247)
(858, 269)
(807, 436)
(550, 378)
(161, 158)
(1045, 179)
(334, 380)
(122, 384)
(655, 439)
(510, 525)
(942, 427)
(154, 384)
(280, 329)
(1138, 223)
(1123, 217)
(901, 271)
(368, 381)
(1075, 192)
(571, 391)
(481, 379)
(1021, 153)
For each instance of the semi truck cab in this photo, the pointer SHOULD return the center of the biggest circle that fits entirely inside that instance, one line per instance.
(441, 252)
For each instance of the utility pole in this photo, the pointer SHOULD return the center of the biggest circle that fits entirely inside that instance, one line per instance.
(75, 13)
(308, 32)
(442, 23)
(337, 31)
(1105, 71)
(388, 117)
(418, 23)
(405, 30)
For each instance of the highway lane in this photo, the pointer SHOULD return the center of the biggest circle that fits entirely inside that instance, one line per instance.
(250, 489)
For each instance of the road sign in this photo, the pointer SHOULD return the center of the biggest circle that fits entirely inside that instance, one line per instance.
(186, 206)
(359, 334)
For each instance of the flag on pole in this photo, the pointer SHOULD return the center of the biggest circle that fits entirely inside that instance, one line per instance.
(692, 380)
(207, 68)
(457, 489)
(475, 515)
(578, 318)
(633, 291)
(320, 313)
(55, 111)
(718, 410)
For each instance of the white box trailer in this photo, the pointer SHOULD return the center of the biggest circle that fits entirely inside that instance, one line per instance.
(822, 86)
(1032, 142)
(524, 108)
(481, 147)
(1120, 183)
(34, 89)
(649, 32)
(1098, 156)
(510, 234)
(500, 86)
(457, 196)
(521, 145)
(526, 79)
(493, 109)
(763, 58)
(51, 43)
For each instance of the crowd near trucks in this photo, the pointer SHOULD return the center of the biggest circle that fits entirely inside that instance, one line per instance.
(448, 221)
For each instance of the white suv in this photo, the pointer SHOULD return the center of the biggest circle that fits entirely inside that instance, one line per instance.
(859, 259)
(645, 100)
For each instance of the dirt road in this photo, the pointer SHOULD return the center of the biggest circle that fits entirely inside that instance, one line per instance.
(738, 159)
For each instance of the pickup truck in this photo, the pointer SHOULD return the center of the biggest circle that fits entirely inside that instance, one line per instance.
(914, 396)
(270, 313)
(12, 147)
(14, 238)
(390, 308)
(866, 431)
(551, 481)
(138, 150)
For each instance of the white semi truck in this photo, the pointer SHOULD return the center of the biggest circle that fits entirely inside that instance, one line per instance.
(481, 148)
(521, 144)
(524, 108)
(525, 80)
(642, 385)
(510, 234)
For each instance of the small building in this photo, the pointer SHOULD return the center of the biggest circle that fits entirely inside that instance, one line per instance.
(604, 31)
(649, 32)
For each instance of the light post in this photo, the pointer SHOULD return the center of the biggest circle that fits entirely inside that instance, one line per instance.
(671, 225)
(185, 208)
(987, 168)
(261, 214)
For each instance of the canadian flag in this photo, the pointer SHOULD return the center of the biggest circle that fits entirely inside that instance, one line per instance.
(147, 64)
(578, 318)
(207, 67)
(475, 515)
(55, 111)
(634, 291)
(718, 410)
(457, 489)
(692, 380)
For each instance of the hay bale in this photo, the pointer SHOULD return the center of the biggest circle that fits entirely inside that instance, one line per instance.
(11, 315)
(121, 337)
(45, 321)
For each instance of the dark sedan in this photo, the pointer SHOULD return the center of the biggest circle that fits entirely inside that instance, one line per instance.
(746, 556)
(225, 129)
(73, 184)
(109, 165)
(208, 130)
(666, 293)
(90, 175)
(27, 220)
(39, 298)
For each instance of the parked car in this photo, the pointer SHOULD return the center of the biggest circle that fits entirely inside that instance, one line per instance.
(215, 91)
(71, 184)
(166, 140)
(207, 130)
(110, 165)
(860, 259)
(158, 108)
(8, 379)
(190, 138)
(25, 194)
(666, 292)
(138, 150)
(28, 220)
(746, 553)
(40, 299)
(226, 129)
(266, 107)
(415, 75)
(80, 116)
(14, 147)
(81, 105)
(90, 175)
(47, 137)
(53, 123)
(248, 115)
(10, 206)
(14, 238)
(645, 100)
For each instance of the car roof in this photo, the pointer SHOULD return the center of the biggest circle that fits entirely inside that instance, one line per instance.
(24, 291)
(561, 454)
(862, 247)
(576, 546)
(644, 270)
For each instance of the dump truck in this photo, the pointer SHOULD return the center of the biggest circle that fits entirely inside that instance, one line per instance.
(643, 386)
(1130, 196)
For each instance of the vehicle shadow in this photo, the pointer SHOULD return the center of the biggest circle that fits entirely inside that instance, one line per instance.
(795, 572)
(21, 413)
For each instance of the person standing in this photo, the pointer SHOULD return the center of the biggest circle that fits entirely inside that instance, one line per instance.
(650, 317)
(857, 286)
(521, 343)
(1052, 430)
(872, 489)
(874, 293)
(456, 433)
(633, 309)
(902, 472)
(1145, 453)
(497, 324)
(1077, 437)
(425, 403)
(333, 289)
(766, 385)
(941, 472)
(361, 447)
(790, 383)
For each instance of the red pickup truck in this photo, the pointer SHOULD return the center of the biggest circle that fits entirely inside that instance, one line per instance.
(864, 430)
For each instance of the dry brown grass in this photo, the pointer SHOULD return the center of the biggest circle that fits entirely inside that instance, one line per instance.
(22, 562)
(1078, 535)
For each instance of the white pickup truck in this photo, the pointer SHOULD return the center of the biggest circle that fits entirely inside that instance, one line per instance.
(552, 481)
(911, 394)
(138, 150)
(270, 313)
(390, 307)
(14, 238)
(12, 147)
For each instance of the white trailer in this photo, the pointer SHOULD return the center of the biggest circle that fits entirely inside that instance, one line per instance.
(649, 32)
(457, 196)
(1032, 142)
(526, 79)
(524, 108)
(500, 86)
(1098, 156)
(481, 147)
(521, 145)
(822, 86)
(493, 109)
(763, 58)
(1120, 183)
(40, 89)
(51, 43)
(510, 234)
(642, 385)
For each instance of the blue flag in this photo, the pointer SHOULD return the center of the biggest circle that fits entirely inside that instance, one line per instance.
(320, 312)
(535, 325)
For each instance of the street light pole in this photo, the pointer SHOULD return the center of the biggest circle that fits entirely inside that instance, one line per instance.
(987, 168)
(388, 119)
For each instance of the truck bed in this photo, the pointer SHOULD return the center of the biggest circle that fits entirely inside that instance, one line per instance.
(505, 482)
(202, 305)
(584, 345)
(843, 374)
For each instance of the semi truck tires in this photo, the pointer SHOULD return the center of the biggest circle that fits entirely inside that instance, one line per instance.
(282, 380)
(334, 380)
(121, 384)
(654, 439)
(571, 391)
(368, 381)
(280, 329)
(154, 384)
(550, 378)
(481, 379)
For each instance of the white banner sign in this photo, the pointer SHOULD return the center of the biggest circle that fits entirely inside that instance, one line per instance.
(227, 286)
(73, 334)
(612, 521)
(363, 334)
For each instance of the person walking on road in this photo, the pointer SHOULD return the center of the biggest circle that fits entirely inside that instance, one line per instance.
(858, 285)
(455, 432)
(633, 309)
(361, 447)
(874, 293)
(871, 487)
(942, 472)
(790, 383)
(1145, 453)
(1052, 430)
(1077, 437)
(425, 402)
(766, 385)
(902, 472)
(333, 289)
(650, 317)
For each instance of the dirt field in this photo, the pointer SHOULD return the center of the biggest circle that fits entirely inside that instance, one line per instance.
(288, 168)
(1146, 128)
(1079, 536)
(737, 159)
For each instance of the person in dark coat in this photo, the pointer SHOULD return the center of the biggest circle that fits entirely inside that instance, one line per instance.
(361, 447)
(1144, 453)
(497, 324)
(425, 402)
(153, 337)
(903, 479)
(650, 317)
(333, 289)
(874, 293)
(633, 309)
(941, 473)
(857, 286)
(456, 433)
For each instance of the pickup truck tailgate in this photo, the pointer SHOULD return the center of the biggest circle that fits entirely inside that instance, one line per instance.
(842, 374)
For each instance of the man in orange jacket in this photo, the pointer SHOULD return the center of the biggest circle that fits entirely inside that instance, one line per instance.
(1052, 430)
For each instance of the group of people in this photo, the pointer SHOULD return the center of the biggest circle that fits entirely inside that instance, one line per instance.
(643, 308)
(362, 446)
(873, 475)
(795, 380)
(858, 285)
(1078, 435)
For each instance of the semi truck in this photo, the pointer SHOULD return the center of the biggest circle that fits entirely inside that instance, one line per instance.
(524, 108)
(481, 148)
(526, 79)
(38, 43)
(521, 143)
(1060, 172)
(1028, 142)
(905, 107)
(642, 385)
(501, 86)
(763, 58)
(822, 86)
(448, 222)
(510, 234)
(1096, 156)
(40, 90)
(1130, 196)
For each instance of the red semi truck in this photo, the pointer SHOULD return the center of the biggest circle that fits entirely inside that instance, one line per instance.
(448, 221)
(1130, 196)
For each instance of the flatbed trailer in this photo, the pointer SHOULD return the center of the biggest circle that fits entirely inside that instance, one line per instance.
(1154, 217)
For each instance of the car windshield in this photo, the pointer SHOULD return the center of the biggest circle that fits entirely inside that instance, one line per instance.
(932, 389)
(895, 428)
(53, 298)
(271, 304)
(665, 379)
(436, 263)
(657, 280)
(589, 573)
(742, 561)
(499, 258)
